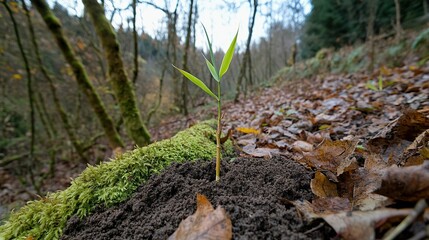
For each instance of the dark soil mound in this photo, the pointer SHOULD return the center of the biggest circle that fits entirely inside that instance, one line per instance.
(251, 190)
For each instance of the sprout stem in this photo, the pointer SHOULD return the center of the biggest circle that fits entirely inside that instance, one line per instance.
(218, 133)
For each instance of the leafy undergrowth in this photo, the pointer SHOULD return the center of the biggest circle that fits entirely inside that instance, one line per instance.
(387, 51)
(107, 184)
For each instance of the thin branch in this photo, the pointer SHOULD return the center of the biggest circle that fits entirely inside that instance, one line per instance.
(136, 43)
(29, 91)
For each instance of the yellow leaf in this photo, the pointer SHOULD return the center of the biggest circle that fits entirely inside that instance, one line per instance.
(249, 130)
(80, 44)
(14, 7)
(324, 126)
(17, 76)
(413, 68)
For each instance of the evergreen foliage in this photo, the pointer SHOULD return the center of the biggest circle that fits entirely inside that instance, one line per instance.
(336, 23)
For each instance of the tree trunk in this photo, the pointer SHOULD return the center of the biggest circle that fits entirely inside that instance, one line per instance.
(153, 110)
(64, 117)
(398, 21)
(372, 10)
(121, 84)
(31, 163)
(136, 44)
(174, 42)
(50, 123)
(425, 7)
(80, 73)
(246, 57)
(185, 91)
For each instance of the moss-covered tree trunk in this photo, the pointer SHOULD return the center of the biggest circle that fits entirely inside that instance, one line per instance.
(121, 84)
(79, 71)
(64, 117)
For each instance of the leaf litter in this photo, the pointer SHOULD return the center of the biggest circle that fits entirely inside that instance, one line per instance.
(367, 147)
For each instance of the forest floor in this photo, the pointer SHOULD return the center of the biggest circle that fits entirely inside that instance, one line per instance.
(310, 149)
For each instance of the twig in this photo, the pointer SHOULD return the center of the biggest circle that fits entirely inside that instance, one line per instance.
(418, 209)
(315, 228)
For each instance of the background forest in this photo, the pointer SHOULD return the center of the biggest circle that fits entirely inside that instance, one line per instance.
(57, 115)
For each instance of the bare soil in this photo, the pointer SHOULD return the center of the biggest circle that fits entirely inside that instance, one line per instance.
(253, 191)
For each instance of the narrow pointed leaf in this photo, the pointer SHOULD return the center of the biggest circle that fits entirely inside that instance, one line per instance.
(197, 82)
(228, 57)
(212, 69)
(210, 48)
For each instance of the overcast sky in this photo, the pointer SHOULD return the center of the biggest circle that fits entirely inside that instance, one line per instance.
(220, 22)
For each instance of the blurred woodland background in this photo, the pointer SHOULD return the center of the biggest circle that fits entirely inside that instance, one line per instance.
(70, 95)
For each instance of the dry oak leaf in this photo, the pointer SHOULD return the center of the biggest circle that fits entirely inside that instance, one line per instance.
(261, 152)
(417, 151)
(358, 186)
(334, 156)
(397, 136)
(322, 187)
(206, 223)
(407, 183)
(356, 225)
(302, 146)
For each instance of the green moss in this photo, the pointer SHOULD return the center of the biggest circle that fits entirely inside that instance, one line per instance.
(109, 183)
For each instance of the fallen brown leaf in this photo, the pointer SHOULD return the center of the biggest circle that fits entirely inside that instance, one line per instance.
(302, 146)
(358, 186)
(331, 205)
(395, 138)
(406, 183)
(334, 156)
(205, 223)
(254, 151)
(416, 152)
(352, 225)
(322, 187)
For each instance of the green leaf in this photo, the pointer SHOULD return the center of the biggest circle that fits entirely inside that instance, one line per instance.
(370, 85)
(212, 69)
(380, 83)
(210, 47)
(228, 57)
(197, 82)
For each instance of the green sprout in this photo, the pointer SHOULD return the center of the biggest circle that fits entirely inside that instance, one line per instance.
(217, 75)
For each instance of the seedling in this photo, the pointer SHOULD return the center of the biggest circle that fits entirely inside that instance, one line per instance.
(371, 84)
(217, 75)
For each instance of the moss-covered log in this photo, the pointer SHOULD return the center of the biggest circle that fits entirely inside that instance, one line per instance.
(108, 183)
(79, 71)
(121, 85)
